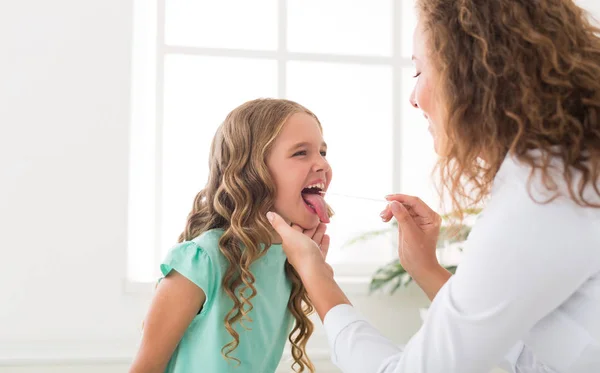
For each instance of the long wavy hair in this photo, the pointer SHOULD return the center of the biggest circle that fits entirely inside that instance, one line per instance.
(515, 75)
(238, 194)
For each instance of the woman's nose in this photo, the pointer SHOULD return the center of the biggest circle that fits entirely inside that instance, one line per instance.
(413, 100)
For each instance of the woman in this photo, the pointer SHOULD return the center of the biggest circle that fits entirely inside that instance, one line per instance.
(511, 90)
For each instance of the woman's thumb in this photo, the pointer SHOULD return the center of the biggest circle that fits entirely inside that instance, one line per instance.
(277, 222)
(401, 214)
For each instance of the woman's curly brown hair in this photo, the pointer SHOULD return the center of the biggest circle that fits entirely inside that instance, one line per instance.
(237, 196)
(515, 75)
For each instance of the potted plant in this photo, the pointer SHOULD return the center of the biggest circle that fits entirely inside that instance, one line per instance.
(393, 275)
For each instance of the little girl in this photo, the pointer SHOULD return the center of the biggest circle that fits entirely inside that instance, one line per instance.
(228, 300)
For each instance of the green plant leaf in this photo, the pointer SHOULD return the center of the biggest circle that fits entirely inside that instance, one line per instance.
(383, 276)
(451, 269)
(398, 282)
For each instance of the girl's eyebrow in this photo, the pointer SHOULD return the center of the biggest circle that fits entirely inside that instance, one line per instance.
(305, 143)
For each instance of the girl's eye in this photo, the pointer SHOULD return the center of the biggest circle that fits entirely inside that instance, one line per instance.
(301, 152)
(416, 75)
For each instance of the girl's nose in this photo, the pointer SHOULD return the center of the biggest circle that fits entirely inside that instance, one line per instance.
(322, 165)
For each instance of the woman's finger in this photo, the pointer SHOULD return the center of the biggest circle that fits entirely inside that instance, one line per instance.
(319, 233)
(412, 202)
(386, 214)
(420, 220)
(280, 226)
(330, 269)
(310, 232)
(325, 245)
(406, 223)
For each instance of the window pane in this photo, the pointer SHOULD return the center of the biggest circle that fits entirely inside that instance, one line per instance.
(361, 27)
(353, 103)
(199, 93)
(409, 22)
(237, 24)
(418, 154)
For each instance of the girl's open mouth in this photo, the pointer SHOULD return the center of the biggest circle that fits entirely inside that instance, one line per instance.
(313, 198)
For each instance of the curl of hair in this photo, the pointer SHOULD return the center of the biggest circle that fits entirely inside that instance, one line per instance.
(236, 198)
(515, 75)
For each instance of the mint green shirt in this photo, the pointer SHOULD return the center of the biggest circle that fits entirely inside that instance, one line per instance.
(260, 348)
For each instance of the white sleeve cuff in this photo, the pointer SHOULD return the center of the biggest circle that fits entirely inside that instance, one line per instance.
(337, 319)
(509, 363)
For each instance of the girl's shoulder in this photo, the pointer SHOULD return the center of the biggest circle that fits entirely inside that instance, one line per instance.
(206, 244)
(198, 261)
(200, 252)
(208, 241)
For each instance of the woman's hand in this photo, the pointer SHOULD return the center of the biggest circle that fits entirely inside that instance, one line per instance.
(305, 249)
(418, 232)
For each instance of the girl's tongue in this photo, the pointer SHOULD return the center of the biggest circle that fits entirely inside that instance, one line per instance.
(317, 202)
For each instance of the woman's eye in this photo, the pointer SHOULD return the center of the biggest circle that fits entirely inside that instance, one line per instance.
(301, 152)
(416, 75)
(324, 154)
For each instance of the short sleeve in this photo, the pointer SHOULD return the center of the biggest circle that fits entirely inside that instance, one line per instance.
(191, 261)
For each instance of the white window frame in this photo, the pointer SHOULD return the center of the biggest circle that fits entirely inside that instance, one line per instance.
(148, 12)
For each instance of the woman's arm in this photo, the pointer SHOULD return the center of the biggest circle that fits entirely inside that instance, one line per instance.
(309, 247)
(175, 304)
(432, 281)
(323, 291)
(522, 260)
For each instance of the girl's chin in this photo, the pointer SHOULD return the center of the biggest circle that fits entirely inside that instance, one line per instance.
(310, 225)
(307, 221)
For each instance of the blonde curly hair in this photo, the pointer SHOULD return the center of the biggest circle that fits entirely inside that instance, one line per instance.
(236, 198)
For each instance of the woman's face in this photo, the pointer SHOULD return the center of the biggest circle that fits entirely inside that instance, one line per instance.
(424, 95)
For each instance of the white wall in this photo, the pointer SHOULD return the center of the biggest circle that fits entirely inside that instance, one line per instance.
(64, 113)
(64, 97)
(593, 6)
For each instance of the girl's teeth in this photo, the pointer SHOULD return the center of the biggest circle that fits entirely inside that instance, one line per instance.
(318, 185)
